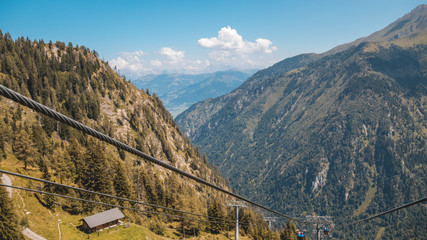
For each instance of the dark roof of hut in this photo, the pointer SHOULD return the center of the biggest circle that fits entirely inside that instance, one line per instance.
(103, 217)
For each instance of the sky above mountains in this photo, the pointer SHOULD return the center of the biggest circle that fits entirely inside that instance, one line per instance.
(152, 37)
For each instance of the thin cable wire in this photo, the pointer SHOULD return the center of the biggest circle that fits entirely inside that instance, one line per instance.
(223, 221)
(8, 93)
(108, 195)
(391, 210)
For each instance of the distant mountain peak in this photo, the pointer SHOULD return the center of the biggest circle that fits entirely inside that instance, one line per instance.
(420, 9)
(412, 25)
(406, 26)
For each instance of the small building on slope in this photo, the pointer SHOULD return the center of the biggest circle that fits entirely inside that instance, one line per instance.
(102, 220)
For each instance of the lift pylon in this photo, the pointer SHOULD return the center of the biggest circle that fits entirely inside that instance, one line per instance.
(320, 223)
(269, 220)
(237, 204)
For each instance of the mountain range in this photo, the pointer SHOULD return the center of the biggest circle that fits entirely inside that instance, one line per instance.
(342, 133)
(179, 91)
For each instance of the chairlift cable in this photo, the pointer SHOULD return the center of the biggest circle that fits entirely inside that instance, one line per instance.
(224, 221)
(19, 98)
(107, 195)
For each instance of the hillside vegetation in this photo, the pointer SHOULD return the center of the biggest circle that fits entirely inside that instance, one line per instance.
(74, 81)
(341, 134)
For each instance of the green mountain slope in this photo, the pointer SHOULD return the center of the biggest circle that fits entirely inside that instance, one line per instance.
(343, 134)
(197, 115)
(75, 82)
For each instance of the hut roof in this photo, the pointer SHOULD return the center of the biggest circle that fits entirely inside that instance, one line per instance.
(103, 217)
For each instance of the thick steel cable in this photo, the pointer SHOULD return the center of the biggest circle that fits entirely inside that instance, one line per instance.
(108, 195)
(19, 98)
(391, 210)
(223, 221)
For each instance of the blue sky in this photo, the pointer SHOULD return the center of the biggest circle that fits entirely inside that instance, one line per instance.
(142, 37)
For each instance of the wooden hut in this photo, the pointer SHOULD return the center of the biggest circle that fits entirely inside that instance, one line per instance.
(102, 220)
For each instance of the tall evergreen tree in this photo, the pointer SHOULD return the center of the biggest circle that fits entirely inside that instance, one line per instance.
(49, 200)
(289, 233)
(2, 140)
(96, 168)
(24, 148)
(9, 228)
(76, 156)
(121, 184)
(214, 210)
(94, 174)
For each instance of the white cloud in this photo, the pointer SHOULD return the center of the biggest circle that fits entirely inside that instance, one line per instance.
(229, 40)
(172, 55)
(166, 60)
(138, 53)
(229, 49)
(128, 61)
(264, 45)
(226, 51)
(156, 63)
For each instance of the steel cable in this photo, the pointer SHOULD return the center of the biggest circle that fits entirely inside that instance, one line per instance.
(19, 98)
(107, 195)
(118, 206)
(391, 210)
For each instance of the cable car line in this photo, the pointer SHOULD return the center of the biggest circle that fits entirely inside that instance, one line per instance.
(391, 210)
(8, 93)
(224, 221)
(107, 195)
(19, 98)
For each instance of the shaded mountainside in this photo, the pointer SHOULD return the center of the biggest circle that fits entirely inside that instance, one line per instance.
(197, 115)
(75, 82)
(342, 134)
(180, 91)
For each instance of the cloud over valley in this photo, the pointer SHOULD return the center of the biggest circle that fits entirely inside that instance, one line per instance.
(228, 50)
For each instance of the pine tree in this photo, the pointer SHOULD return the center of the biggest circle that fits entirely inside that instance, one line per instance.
(3, 131)
(121, 184)
(49, 200)
(40, 139)
(9, 228)
(95, 172)
(290, 232)
(75, 152)
(194, 226)
(150, 188)
(214, 210)
(24, 148)
(171, 190)
(183, 204)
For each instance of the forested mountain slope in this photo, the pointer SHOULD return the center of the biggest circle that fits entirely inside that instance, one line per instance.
(343, 134)
(75, 82)
(197, 115)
